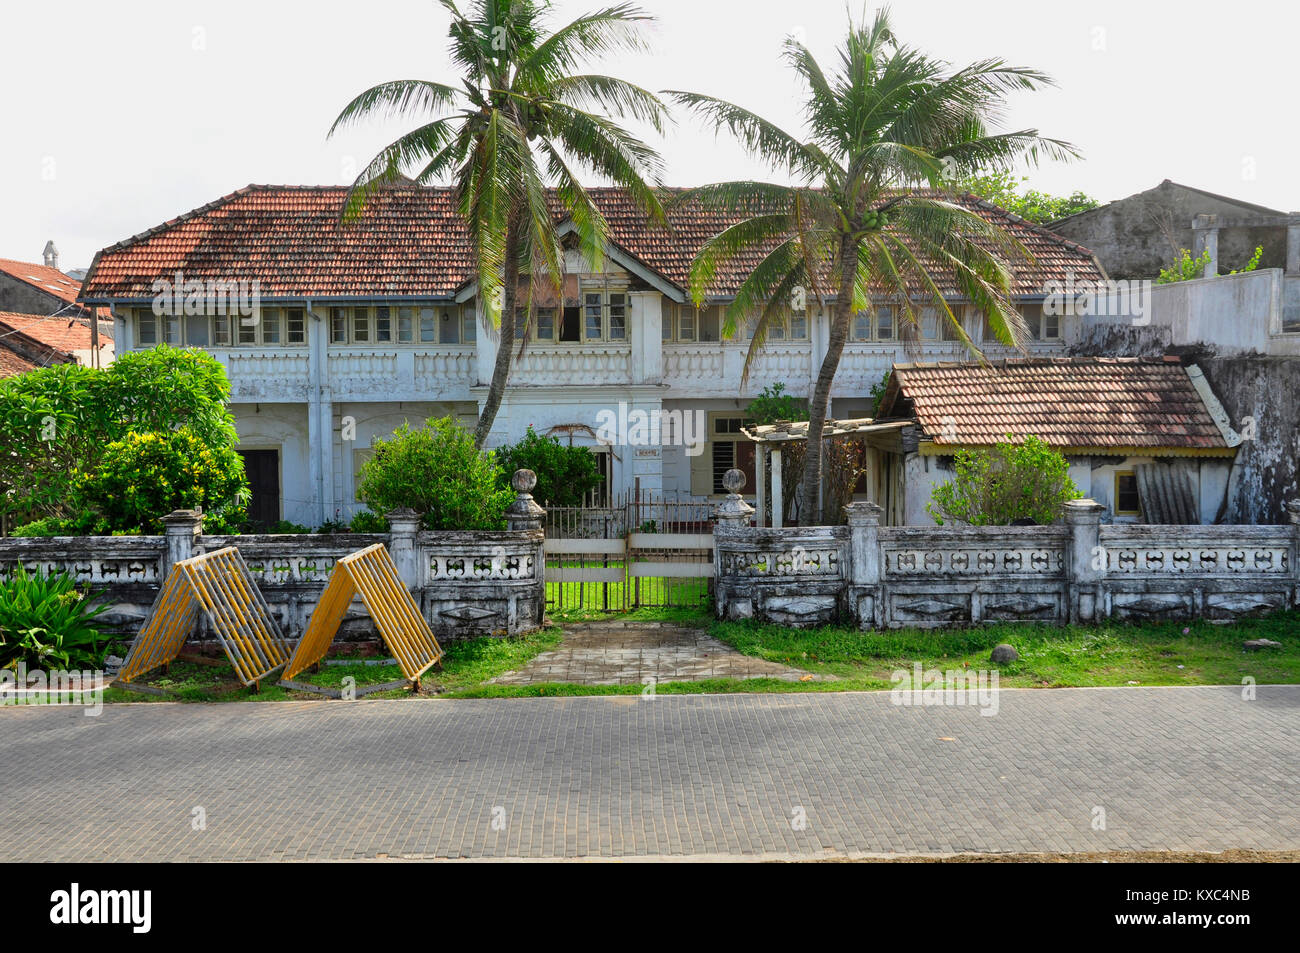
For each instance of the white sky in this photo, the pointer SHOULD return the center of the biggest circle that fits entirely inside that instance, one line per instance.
(118, 116)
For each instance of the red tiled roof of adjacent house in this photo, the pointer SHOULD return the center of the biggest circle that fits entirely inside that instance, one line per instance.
(58, 332)
(1067, 402)
(411, 241)
(50, 280)
(11, 362)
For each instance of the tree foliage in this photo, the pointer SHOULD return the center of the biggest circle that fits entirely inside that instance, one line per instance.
(438, 472)
(523, 114)
(144, 476)
(1006, 190)
(57, 422)
(852, 227)
(565, 474)
(1012, 481)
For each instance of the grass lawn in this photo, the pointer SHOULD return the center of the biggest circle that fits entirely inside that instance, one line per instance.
(1173, 653)
(1196, 653)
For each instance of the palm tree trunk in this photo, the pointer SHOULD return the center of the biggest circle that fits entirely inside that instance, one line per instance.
(506, 340)
(841, 317)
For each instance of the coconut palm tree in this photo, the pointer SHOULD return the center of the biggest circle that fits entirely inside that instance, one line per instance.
(853, 227)
(510, 136)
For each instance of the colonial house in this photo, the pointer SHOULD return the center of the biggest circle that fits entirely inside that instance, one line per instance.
(1145, 438)
(354, 329)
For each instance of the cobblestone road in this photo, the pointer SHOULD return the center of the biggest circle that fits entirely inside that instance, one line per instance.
(757, 775)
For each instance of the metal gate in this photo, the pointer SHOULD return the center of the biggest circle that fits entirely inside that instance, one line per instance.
(641, 551)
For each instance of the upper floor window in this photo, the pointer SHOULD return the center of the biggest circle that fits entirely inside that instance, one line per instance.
(685, 322)
(1042, 327)
(543, 327)
(269, 327)
(874, 326)
(604, 314)
(378, 325)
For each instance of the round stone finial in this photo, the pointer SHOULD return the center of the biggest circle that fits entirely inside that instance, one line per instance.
(523, 481)
(734, 480)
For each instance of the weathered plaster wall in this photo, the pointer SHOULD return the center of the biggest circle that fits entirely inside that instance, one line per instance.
(1267, 390)
(1130, 236)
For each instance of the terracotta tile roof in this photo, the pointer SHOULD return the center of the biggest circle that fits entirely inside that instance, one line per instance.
(11, 362)
(411, 241)
(1067, 402)
(60, 333)
(50, 280)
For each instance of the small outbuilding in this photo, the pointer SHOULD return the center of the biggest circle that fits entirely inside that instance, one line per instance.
(1147, 438)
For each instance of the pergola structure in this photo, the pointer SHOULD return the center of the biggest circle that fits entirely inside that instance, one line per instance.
(769, 439)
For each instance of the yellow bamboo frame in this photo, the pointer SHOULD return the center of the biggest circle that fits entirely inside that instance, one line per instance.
(370, 573)
(218, 583)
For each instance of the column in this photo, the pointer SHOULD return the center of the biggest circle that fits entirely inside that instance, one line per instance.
(1085, 565)
(864, 561)
(1205, 237)
(404, 525)
(182, 528)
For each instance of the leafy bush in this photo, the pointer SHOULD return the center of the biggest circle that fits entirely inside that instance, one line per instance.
(773, 404)
(369, 522)
(287, 528)
(1185, 268)
(1013, 481)
(438, 472)
(47, 526)
(1004, 189)
(145, 476)
(46, 623)
(565, 474)
(58, 421)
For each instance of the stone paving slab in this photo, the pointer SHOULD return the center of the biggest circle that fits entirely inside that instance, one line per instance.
(677, 776)
(627, 654)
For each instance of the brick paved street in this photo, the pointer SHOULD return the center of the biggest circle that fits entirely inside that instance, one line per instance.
(1174, 768)
(629, 653)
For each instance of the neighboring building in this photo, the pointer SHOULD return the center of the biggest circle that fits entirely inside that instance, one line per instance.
(29, 290)
(1145, 438)
(28, 341)
(1135, 237)
(1244, 332)
(362, 327)
(53, 340)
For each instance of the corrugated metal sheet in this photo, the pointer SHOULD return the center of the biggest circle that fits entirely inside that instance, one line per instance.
(1168, 493)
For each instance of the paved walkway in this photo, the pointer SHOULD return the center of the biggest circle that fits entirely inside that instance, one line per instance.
(630, 653)
(760, 775)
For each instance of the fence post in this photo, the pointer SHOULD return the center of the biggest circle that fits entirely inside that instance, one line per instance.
(864, 563)
(182, 528)
(732, 519)
(525, 516)
(1085, 563)
(403, 544)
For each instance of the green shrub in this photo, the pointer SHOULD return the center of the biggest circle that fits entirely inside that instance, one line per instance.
(565, 474)
(1013, 481)
(143, 477)
(46, 623)
(773, 404)
(57, 422)
(287, 528)
(46, 527)
(438, 472)
(369, 522)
